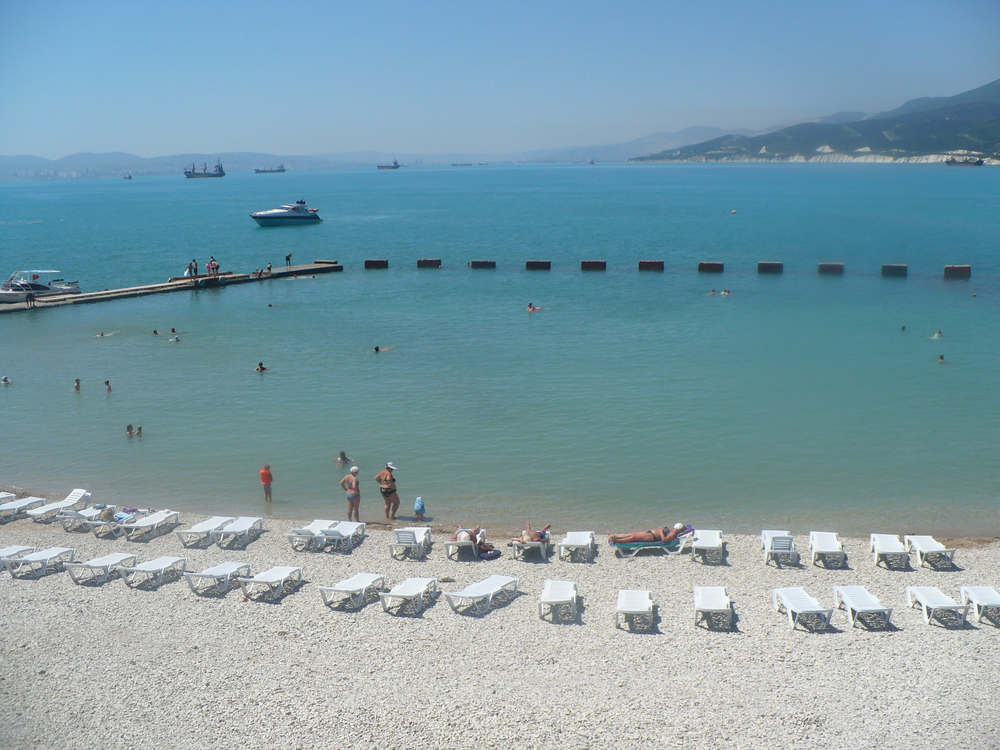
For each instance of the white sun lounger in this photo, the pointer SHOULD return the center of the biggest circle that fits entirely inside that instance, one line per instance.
(99, 569)
(583, 542)
(767, 534)
(556, 594)
(778, 546)
(795, 602)
(858, 601)
(37, 563)
(304, 538)
(15, 508)
(12, 552)
(6, 496)
(355, 588)
(345, 535)
(147, 525)
(144, 572)
(238, 529)
(412, 541)
(636, 604)
(72, 520)
(220, 575)
(981, 598)
(410, 590)
(927, 547)
(479, 595)
(113, 528)
(203, 530)
(825, 545)
(455, 547)
(932, 600)
(75, 500)
(712, 600)
(273, 581)
(544, 547)
(706, 542)
(885, 546)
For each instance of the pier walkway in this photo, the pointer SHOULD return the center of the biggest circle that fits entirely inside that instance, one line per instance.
(177, 284)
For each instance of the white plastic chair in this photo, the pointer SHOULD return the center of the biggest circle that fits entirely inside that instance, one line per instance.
(981, 598)
(582, 542)
(796, 603)
(37, 563)
(858, 601)
(927, 547)
(932, 600)
(220, 576)
(272, 581)
(635, 605)
(100, 569)
(887, 546)
(825, 545)
(410, 590)
(144, 572)
(556, 594)
(75, 500)
(203, 530)
(712, 600)
(479, 596)
(355, 588)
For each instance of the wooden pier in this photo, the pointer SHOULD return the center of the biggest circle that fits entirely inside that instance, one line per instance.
(177, 284)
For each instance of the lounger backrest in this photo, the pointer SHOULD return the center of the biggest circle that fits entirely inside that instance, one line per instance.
(886, 543)
(578, 538)
(781, 544)
(77, 495)
(558, 590)
(406, 537)
(797, 598)
(925, 543)
(316, 527)
(824, 540)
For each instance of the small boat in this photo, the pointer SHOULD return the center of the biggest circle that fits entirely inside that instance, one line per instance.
(271, 170)
(394, 165)
(461, 165)
(217, 172)
(128, 176)
(38, 283)
(287, 215)
(967, 161)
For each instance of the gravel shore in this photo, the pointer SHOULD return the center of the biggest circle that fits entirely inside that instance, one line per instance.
(115, 667)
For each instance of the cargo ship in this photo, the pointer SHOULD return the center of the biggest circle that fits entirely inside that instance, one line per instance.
(281, 168)
(967, 161)
(394, 165)
(217, 172)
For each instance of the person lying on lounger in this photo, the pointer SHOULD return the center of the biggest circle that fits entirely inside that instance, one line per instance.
(528, 535)
(465, 535)
(654, 535)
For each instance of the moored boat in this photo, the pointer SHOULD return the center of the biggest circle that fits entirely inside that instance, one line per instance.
(36, 283)
(217, 172)
(287, 215)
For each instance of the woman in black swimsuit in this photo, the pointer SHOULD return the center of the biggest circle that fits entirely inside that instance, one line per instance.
(654, 535)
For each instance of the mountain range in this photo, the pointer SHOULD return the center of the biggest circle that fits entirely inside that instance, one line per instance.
(925, 129)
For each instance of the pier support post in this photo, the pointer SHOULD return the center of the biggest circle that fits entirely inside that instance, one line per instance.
(832, 269)
(958, 272)
(651, 265)
(593, 265)
(538, 265)
(770, 266)
(894, 269)
(483, 264)
(377, 263)
(710, 267)
(428, 262)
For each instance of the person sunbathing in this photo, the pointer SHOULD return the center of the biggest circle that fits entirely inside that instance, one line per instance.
(528, 535)
(465, 535)
(654, 535)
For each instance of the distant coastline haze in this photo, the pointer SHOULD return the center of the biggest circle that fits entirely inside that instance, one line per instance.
(455, 78)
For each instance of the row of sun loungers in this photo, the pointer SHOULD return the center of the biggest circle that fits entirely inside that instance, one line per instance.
(321, 534)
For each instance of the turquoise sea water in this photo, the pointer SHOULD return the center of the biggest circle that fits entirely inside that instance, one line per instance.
(632, 399)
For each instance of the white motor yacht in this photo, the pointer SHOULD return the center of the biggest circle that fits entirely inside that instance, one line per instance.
(37, 283)
(294, 213)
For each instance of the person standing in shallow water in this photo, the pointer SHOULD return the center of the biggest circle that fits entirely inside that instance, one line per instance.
(387, 486)
(352, 486)
(265, 479)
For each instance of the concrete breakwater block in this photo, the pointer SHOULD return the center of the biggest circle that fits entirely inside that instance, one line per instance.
(651, 265)
(428, 262)
(482, 264)
(958, 272)
(538, 265)
(377, 263)
(593, 265)
(707, 266)
(770, 266)
(834, 269)
(894, 269)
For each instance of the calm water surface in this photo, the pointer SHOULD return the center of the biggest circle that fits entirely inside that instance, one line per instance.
(631, 399)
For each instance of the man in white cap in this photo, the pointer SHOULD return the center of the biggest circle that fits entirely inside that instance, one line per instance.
(387, 486)
(352, 487)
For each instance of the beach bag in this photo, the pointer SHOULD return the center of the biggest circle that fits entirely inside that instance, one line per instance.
(108, 514)
(488, 552)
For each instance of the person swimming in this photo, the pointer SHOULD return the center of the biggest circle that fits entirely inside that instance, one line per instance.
(343, 459)
(260, 367)
(5, 380)
(938, 335)
(386, 349)
(155, 332)
(532, 308)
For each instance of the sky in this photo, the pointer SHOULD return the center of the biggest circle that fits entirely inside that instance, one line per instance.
(427, 77)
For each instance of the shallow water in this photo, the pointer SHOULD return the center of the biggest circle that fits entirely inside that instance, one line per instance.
(631, 399)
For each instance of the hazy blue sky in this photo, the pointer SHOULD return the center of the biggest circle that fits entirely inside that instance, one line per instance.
(422, 77)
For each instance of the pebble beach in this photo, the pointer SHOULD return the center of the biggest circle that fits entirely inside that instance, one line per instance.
(109, 666)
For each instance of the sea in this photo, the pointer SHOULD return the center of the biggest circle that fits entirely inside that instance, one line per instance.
(630, 400)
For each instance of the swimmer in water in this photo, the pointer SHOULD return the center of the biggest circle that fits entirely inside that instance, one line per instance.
(76, 384)
(107, 385)
(940, 359)
(128, 431)
(532, 308)
(100, 334)
(260, 367)
(176, 338)
(138, 431)
(5, 380)
(173, 330)
(712, 292)
(388, 348)
(343, 459)
(938, 335)
(904, 329)
(725, 292)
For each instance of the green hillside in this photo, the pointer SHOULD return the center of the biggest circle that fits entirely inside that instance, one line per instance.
(961, 127)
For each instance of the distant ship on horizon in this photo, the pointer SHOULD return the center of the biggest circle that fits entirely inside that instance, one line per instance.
(968, 161)
(217, 172)
(271, 170)
(394, 165)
